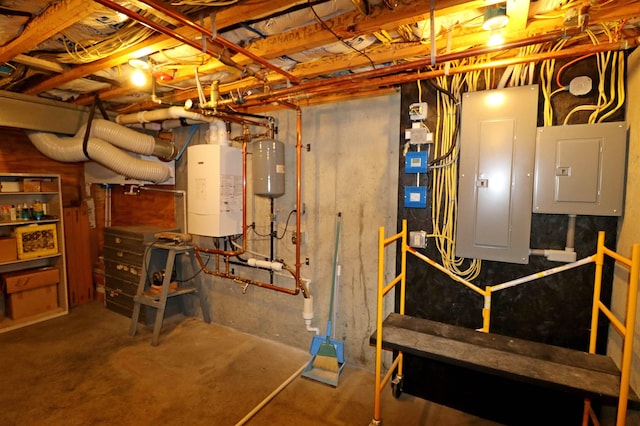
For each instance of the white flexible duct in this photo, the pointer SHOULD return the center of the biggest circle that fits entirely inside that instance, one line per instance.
(159, 115)
(120, 136)
(70, 150)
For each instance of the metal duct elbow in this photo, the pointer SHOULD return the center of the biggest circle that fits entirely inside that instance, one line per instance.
(70, 150)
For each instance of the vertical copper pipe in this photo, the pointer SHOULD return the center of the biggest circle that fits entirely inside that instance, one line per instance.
(298, 191)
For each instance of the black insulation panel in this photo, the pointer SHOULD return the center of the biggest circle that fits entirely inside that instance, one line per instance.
(554, 310)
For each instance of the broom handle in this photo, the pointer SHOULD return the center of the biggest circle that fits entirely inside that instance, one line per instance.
(335, 263)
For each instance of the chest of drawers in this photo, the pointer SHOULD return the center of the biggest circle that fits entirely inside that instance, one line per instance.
(125, 251)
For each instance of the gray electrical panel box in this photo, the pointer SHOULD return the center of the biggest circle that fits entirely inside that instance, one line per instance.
(580, 169)
(497, 146)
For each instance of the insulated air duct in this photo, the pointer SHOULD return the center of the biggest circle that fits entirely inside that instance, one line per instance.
(103, 148)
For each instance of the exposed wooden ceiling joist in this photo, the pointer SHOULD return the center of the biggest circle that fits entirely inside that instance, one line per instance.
(58, 17)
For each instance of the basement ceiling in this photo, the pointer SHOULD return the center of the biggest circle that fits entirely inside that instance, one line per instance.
(248, 53)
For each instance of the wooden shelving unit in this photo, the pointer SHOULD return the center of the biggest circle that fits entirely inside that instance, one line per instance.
(16, 190)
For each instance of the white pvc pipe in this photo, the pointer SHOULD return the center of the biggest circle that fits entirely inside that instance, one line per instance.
(276, 266)
(272, 395)
(160, 115)
(70, 150)
(546, 273)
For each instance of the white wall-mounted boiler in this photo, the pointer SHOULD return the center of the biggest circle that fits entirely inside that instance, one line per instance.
(214, 193)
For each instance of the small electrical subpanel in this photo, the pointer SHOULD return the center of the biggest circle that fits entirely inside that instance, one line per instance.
(418, 111)
(415, 197)
(416, 162)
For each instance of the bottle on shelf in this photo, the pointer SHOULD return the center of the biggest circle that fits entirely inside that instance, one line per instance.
(38, 212)
(25, 212)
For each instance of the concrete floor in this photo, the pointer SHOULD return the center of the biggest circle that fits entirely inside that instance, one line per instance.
(84, 369)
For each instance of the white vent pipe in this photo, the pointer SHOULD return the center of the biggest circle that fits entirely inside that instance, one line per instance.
(160, 115)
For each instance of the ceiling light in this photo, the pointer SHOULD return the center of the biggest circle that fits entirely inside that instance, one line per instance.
(139, 78)
(495, 17)
(140, 63)
(495, 40)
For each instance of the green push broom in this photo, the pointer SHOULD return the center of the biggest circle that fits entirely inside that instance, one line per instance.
(328, 354)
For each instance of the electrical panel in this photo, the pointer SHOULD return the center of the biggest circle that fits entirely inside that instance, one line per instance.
(580, 169)
(497, 146)
(214, 196)
(415, 197)
(415, 162)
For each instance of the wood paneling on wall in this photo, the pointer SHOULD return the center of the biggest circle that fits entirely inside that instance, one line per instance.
(18, 155)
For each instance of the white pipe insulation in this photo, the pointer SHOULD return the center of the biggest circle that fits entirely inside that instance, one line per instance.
(160, 115)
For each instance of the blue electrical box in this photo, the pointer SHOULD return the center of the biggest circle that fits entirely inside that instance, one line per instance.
(415, 162)
(415, 197)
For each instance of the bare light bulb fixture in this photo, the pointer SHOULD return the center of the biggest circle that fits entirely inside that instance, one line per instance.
(139, 78)
(495, 17)
(139, 75)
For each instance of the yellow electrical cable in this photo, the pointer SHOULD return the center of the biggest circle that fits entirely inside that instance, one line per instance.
(621, 94)
(444, 176)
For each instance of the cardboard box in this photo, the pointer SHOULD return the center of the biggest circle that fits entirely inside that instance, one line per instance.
(9, 186)
(32, 302)
(49, 186)
(30, 279)
(31, 185)
(8, 249)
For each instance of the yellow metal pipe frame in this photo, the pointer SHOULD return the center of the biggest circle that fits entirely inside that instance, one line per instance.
(380, 381)
(626, 329)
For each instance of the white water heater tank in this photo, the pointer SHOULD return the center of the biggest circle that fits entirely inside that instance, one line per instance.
(214, 192)
(268, 168)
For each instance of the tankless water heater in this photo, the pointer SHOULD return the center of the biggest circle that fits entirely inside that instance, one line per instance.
(214, 192)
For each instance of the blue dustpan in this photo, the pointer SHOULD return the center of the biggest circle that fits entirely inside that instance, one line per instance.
(318, 340)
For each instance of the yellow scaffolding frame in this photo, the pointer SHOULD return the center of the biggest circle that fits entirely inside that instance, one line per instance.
(625, 328)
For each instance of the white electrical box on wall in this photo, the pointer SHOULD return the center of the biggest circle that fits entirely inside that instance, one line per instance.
(497, 143)
(580, 169)
(214, 192)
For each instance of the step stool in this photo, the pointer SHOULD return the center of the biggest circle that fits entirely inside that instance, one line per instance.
(159, 301)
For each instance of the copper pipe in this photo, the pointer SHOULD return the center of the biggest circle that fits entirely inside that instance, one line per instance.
(298, 190)
(225, 43)
(299, 286)
(391, 80)
(403, 67)
(235, 278)
(168, 32)
(298, 184)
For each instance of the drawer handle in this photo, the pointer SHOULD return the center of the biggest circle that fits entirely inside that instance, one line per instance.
(118, 240)
(119, 254)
